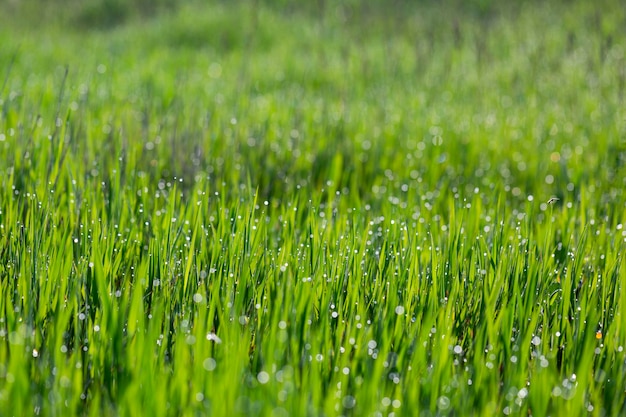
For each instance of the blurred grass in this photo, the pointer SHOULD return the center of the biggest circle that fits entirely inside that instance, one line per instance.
(276, 208)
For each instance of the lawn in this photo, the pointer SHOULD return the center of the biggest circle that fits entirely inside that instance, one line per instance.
(284, 208)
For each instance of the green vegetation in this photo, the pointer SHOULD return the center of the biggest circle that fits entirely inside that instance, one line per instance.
(280, 209)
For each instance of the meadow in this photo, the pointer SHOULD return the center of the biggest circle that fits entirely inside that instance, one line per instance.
(282, 208)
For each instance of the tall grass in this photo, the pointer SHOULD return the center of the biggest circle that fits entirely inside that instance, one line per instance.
(243, 209)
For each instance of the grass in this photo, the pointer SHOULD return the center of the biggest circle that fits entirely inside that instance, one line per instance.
(265, 208)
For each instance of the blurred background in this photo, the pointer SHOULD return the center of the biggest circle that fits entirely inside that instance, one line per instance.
(110, 13)
(294, 93)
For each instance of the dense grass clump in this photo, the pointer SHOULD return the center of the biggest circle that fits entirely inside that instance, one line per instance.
(267, 208)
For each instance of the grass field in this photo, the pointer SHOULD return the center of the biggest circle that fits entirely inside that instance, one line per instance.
(280, 208)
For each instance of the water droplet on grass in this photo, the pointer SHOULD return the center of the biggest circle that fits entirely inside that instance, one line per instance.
(523, 393)
(263, 377)
(209, 364)
(349, 401)
(443, 403)
(213, 337)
